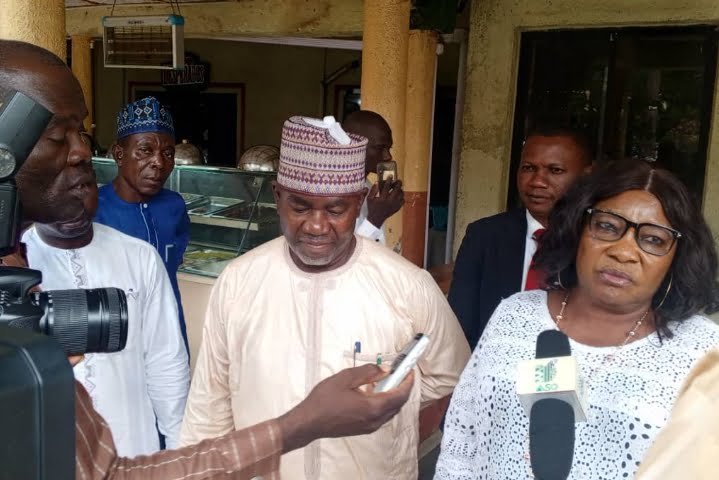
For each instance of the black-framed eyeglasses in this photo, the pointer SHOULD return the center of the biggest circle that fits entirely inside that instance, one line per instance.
(651, 238)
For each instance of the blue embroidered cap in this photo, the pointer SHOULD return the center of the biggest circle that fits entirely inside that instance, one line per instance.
(142, 116)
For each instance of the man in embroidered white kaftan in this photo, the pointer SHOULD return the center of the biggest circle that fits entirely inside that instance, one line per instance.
(146, 383)
(290, 313)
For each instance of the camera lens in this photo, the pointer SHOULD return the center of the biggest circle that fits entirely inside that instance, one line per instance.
(85, 321)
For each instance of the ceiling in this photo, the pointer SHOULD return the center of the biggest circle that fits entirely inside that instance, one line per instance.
(94, 3)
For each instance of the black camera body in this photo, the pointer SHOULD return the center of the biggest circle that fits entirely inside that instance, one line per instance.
(37, 418)
(22, 121)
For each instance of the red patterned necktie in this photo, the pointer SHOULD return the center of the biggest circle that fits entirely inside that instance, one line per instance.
(535, 278)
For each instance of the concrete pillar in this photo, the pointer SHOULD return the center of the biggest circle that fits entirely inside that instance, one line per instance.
(384, 79)
(40, 22)
(421, 68)
(82, 68)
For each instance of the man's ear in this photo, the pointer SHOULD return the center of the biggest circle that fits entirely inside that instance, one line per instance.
(276, 190)
(588, 169)
(362, 196)
(117, 153)
(360, 199)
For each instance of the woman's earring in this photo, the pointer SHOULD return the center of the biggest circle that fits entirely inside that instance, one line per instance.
(669, 287)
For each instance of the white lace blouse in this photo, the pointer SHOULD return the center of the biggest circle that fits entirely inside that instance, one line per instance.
(629, 398)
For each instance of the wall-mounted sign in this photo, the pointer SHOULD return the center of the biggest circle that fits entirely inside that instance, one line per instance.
(195, 74)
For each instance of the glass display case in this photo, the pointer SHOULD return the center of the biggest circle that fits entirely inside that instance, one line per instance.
(231, 211)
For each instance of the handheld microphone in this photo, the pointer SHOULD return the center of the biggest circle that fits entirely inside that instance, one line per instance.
(553, 374)
(551, 420)
(551, 439)
(552, 343)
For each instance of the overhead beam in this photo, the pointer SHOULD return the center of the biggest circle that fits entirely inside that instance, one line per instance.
(295, 18)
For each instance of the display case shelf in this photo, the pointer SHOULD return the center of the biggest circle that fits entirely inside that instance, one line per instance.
(231, 211)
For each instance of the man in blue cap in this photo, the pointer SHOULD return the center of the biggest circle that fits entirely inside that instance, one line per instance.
(135, 202)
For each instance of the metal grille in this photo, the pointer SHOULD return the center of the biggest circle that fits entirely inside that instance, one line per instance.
(143, 46)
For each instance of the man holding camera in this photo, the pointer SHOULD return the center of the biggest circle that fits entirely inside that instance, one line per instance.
(56, 174)
(144, 387)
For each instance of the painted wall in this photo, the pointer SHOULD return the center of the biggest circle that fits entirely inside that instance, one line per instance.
(491, 85)
(315, 18)
(40, 22)
(279, 81)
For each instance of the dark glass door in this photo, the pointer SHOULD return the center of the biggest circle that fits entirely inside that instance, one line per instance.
(207, 120)
(642, 93)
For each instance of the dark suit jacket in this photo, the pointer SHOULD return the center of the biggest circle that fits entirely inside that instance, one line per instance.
(488, 268)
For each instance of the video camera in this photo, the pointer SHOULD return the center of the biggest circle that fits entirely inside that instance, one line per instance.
(36, 381)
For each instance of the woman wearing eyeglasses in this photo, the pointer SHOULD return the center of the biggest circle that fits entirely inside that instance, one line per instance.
(631, 266)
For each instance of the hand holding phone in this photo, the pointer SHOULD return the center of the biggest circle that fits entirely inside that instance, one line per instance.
(386, 197)
(403, 364)
(386, 172)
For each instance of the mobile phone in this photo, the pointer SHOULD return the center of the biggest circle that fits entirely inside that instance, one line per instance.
(404, 362)
(386, 172)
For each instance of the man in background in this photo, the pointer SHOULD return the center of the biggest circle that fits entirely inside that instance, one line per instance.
(384, 199)
(286, 315)
(495, 257)
(136, 203)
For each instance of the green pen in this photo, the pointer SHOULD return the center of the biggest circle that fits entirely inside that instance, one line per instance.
(379, 359)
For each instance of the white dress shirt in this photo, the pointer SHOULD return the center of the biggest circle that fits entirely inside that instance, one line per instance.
(364, 227)
(148, 381)
(530, 245)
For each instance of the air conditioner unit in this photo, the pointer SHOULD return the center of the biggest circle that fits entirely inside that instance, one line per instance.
(144, 42)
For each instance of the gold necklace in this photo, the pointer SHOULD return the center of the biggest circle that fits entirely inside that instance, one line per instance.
(632, 333)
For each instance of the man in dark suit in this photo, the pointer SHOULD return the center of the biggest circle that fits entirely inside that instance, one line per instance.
(495, 256)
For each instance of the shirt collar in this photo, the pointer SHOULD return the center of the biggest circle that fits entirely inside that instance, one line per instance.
(532, 225)
(114, 197)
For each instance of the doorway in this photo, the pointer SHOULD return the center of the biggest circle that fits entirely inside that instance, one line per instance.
(212, 119)
(640, 93)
